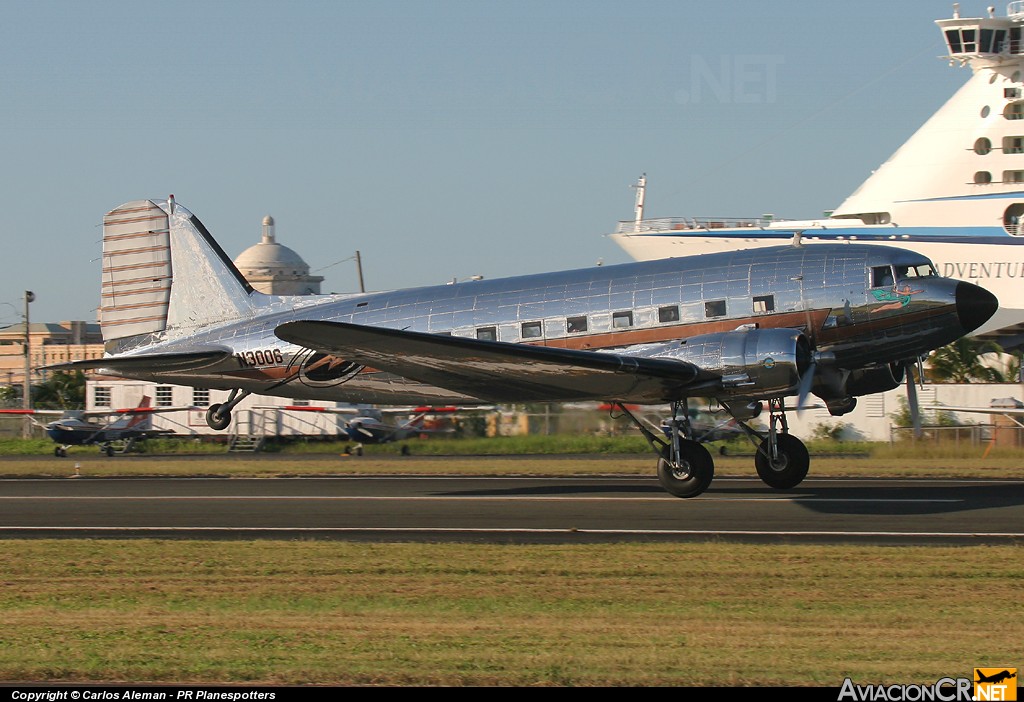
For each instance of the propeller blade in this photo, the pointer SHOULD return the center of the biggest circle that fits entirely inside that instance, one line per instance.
(806, 383)
(362, 430)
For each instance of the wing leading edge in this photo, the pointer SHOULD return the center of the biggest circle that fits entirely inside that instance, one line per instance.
(496, 371)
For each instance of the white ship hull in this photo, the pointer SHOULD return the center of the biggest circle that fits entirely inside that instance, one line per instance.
(953, 192)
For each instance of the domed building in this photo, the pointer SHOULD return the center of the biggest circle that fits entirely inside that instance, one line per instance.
(275, 269)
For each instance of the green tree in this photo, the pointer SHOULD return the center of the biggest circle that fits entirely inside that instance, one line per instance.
(61, 391)
(963, 362)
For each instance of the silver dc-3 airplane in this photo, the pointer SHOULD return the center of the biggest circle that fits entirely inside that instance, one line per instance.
(748, 328)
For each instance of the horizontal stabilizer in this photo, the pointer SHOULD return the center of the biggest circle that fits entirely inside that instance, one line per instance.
(155, 362)
(496, 371)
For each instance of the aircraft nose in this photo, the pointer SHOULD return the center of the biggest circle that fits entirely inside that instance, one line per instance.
(974, 305)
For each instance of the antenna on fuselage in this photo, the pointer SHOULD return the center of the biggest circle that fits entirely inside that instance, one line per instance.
(798, 238)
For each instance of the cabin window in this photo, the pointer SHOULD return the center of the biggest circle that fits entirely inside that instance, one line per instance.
(487, 333)
(200, 397)
(1013, 176)
(1011, 92)
(881, 277)
(982, 178)
(668, 314)
(532, 330)
(982, 146)
(1012, 219)
(764, 303)
(164, 395)
(715, 308)
(575, 325)
(953, 40)
(1013, 145)
(101, 396)
(300, 403)
(621, 320)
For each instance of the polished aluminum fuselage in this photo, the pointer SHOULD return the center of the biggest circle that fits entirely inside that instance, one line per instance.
(824, 290)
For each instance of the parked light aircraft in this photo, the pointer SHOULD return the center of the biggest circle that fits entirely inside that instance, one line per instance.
(367, 425)
(747, 328)
(80, 428)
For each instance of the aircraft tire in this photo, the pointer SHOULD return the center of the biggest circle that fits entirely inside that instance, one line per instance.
(217, 423)
(109, 451)
(693, 476)
(59, 452)
(791, 468)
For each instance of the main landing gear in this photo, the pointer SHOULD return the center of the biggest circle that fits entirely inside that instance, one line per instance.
(685, 468)
(218, 416)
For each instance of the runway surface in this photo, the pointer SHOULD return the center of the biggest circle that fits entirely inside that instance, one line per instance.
(509, 509)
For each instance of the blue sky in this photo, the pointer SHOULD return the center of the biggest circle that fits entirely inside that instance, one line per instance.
(442, 139)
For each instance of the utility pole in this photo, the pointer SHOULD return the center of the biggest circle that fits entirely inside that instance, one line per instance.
(26, 392)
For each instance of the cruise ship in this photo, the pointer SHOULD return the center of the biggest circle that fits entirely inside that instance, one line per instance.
(953, 192)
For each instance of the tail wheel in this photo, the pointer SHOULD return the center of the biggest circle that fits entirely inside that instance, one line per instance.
(790, 467)
(691, 474)
(215, 421)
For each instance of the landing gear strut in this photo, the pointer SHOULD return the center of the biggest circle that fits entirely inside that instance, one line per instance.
(218, 416)
(685, 468)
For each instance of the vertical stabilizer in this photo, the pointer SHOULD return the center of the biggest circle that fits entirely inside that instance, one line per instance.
(164, 274)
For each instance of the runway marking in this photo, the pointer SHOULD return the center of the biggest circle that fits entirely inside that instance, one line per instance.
(486, 498)
(456, 530)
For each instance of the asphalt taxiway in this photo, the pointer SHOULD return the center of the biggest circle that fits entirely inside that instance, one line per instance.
(513, 509)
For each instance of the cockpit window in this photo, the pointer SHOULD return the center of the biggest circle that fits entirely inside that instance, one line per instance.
(917, 270)
(881, 277)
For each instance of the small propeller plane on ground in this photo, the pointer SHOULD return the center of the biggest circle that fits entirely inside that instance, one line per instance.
(748, 328)
(367, 425)
(80, 428)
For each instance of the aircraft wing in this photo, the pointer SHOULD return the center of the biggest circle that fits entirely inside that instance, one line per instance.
(496, 371)
(155, 362)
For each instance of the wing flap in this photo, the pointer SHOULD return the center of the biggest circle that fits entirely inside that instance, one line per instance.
(497, 371)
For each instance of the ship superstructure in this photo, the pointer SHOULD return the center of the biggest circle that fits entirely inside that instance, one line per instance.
(953, 192)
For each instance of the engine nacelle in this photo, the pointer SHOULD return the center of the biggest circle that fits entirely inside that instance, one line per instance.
(868, 381)
(752, 363)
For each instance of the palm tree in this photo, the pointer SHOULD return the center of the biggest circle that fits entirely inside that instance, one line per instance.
(61, 391)
(962, 362)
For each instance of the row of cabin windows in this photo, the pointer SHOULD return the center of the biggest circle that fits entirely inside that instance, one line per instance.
(985, 177)
(624, 319)
(1011, 145)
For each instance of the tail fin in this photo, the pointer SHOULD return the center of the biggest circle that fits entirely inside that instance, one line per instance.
(140, 418)
(163, 272)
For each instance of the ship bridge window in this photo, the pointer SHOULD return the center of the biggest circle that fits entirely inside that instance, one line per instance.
(1014, 110)
(1013, 145)
(982, 178)
(916, 270)
(881, 277)
(982, 146)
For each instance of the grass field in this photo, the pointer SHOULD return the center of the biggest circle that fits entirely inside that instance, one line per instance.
(459, 614)
(306, 612)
